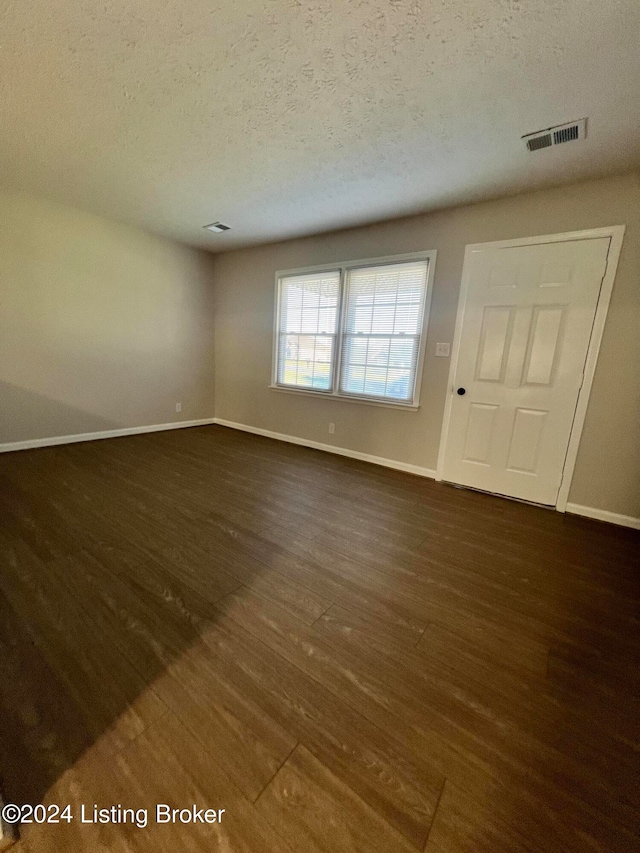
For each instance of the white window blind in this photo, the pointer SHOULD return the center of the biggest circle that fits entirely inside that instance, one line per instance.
(382, 326)
(307, 330)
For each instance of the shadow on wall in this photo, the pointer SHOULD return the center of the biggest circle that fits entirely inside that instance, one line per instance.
(26, 415)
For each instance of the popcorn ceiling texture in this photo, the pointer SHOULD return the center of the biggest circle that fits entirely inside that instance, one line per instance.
(284, 117)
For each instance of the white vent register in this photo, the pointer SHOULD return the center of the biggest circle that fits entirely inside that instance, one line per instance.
(561, 133)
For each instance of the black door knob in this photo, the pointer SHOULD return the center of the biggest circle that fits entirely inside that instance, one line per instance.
(462, 391)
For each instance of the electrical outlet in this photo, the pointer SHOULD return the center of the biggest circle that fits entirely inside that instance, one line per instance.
(332, 429)
(442, 350)
(178, 407)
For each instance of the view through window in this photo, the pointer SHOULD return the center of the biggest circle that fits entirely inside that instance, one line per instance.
(353, 331)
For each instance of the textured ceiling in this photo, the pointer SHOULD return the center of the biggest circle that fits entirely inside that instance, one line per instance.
(285, 117)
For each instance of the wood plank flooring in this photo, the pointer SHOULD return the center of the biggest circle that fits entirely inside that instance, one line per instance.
(340, 656)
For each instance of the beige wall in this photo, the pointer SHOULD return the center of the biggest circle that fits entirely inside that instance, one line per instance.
(101, 325)
(607, 474)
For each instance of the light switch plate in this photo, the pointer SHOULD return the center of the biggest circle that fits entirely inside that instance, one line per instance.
(443, 350)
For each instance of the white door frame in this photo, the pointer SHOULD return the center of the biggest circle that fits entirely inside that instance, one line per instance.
(616, 233)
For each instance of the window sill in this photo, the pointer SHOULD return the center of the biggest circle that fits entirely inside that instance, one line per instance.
(406, 407)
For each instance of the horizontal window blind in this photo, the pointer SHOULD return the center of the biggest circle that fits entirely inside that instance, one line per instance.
(381, 333)
(307, 330)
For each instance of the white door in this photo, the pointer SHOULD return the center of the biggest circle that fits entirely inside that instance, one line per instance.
(527, 317)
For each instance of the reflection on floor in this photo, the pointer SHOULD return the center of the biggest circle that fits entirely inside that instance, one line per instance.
(342, 657)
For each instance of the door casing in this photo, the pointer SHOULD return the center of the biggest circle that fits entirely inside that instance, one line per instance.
(616, 234)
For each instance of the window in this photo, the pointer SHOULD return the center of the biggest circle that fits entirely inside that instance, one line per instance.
(354, 330)
(307, 330)
(382, 326)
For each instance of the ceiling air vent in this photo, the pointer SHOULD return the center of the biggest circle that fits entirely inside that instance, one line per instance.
(542, 141)
(217, 227)
(569, 132)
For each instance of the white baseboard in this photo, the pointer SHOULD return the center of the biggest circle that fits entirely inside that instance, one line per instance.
(604, 515)
(330, 448)
(576, 509)
(9, 446)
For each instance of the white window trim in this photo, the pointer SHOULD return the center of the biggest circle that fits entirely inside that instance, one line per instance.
(343, 267)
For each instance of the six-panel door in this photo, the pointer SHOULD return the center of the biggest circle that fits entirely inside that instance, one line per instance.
(528, 315)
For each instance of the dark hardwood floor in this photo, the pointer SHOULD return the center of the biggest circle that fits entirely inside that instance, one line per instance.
(343, 657)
